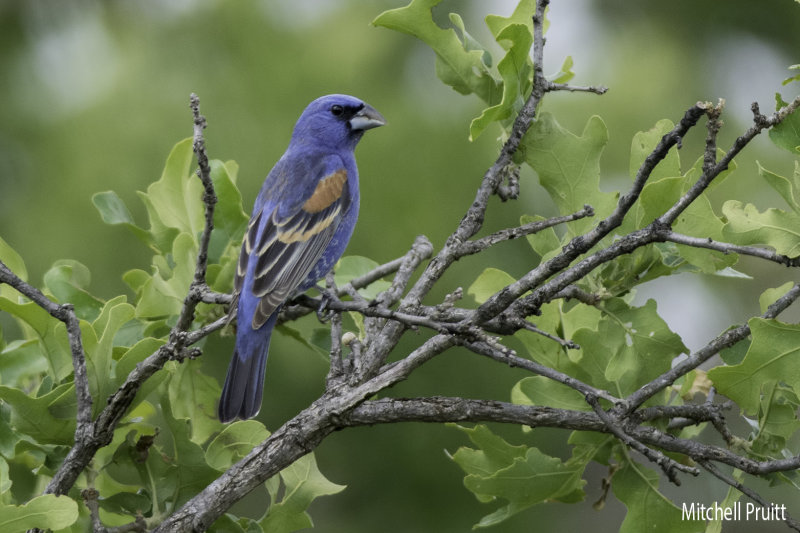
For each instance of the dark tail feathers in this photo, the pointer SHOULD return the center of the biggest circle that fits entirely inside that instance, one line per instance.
(244, 384)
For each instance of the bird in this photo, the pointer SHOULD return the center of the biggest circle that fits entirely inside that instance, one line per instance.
(301, 222)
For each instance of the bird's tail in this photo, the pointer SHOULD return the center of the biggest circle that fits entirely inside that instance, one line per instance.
(244, 384)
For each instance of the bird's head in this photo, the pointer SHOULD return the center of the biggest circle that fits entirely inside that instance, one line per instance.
(336, 121)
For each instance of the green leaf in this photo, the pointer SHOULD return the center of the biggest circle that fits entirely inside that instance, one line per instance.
(786, 135)
(19, 360)
(33, 417)
(642, 145)
(193, 396)
(5, 480)
(648, 509)
(774, 354)
(319, 341)
(98, 343)
(520, 475)
(777, 420)
(234, 442)
(174, 202)
(68, 281)
(775, 228)
(14, 262)
(189, 471)
(460, 67)
(545, 243)
(51, 333)
(569, 167)
(539, 390)
(788, 188)
(565, 73)
(303, 483)
(133, 356)
(523, 14)
(796, 77)
(629, 347)
(114, 211)
(489, 282)
(163, 294)
(493, 452)
(468, 41)
(516, 69)
(230, 220)
(770, 296)
(176, 197)
(126, 503)
(354, 266)
(43, 512)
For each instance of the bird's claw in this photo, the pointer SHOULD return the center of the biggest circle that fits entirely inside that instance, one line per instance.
(323, 313)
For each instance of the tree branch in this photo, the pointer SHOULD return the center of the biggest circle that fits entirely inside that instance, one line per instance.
(95, 435)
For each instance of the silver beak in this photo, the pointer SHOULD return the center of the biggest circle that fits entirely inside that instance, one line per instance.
(367, 118)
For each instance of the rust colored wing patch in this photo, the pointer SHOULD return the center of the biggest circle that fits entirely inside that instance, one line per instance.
(328, 191)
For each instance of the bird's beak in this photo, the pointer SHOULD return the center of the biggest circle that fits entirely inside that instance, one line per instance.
(367, 118)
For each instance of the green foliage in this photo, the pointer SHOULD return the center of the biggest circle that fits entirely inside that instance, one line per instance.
(786, 134)
(772, 357)
(648, 509)
(44, 512)
(521, 475)
(170, 444)
(623, 346)
(466, 65)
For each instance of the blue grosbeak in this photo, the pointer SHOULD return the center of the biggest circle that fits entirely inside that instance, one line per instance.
(301, 223)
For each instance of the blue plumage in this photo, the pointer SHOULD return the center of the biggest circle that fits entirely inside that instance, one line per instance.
(301, 223)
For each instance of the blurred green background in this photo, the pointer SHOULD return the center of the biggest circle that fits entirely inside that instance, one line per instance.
(94, 95)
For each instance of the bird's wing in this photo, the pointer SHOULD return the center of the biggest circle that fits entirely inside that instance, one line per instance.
(290, 244)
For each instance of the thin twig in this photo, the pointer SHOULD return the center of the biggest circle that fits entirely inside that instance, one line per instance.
(669, 466)
(753, 495)
(596, 89)
(728, 248)
(476, 246)
(66, 314)
(724, 340)
(511, 359)
(102, 431)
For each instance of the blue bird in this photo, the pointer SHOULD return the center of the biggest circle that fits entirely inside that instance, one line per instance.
(301, 223)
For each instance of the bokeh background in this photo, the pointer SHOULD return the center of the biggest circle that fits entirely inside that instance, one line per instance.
(94, 94)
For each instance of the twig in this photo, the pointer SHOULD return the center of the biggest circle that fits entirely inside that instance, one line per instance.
(728, 248)
(596, 89)
(583, 243)
(760, 124)
(513, 360)
(726, 339)
(668, 465)
(753, 495)
(476, 246)
(99, 434)
(66, 314)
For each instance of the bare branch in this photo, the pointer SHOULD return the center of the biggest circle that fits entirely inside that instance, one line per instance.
(726, 339)
(66, 314)
(728, 248)
(96, 435)
(596, 89)
(753, 495)
(668, 465)
(476, 246)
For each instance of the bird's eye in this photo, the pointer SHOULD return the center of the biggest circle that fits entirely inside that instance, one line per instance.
(337, 110)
